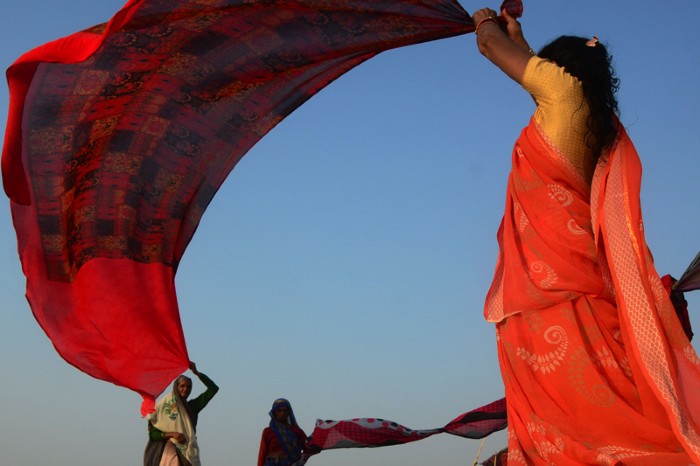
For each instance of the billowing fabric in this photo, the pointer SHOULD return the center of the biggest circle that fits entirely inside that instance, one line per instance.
(480, 422)
(596, 365)
(373, 432)
(119, 136)
(172, 414)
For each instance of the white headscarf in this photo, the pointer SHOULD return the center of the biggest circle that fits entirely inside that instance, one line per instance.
(173, 415)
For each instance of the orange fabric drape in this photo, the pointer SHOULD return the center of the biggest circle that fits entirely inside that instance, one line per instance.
(596, 365)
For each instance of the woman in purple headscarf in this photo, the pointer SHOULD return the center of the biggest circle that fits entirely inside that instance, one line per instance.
(283, 441)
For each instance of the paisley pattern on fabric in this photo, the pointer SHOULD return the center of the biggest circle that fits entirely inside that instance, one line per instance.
(603, 374)
(548, 361)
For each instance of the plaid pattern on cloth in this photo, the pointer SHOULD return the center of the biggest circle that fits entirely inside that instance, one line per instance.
(373, 432)
(119, 136)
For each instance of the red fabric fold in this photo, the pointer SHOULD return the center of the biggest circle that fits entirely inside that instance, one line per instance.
(119, 136)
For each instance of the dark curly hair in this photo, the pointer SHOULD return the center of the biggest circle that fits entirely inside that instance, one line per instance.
(593, 67)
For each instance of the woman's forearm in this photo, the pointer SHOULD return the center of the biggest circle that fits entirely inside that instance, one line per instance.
(507, 48)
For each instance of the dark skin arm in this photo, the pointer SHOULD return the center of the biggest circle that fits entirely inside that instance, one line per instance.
(193, 368)
(203, 399)
(505, 47)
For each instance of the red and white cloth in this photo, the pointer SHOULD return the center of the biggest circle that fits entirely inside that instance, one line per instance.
(373, 432)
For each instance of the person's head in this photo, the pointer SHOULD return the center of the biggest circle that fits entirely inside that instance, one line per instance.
(282, 412)
(183, 385)
(589, 61)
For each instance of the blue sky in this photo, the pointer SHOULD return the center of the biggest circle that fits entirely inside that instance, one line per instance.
(345, 261)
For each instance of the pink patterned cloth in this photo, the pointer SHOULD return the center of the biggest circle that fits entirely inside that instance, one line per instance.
(373, 432)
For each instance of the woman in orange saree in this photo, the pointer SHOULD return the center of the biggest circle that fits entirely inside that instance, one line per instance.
(596, 366)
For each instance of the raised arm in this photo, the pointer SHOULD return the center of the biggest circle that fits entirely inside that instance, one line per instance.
(202, 400)
(507, 49)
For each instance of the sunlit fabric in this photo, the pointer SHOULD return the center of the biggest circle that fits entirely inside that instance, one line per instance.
(596, 364)
(119, 136)
(373, 432)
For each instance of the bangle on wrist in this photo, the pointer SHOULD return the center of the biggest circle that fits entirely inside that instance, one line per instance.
(483, 21)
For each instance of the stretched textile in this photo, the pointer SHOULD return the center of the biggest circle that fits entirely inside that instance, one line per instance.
(601, 372)
(373, 432)
(480, 422)
(119, 136)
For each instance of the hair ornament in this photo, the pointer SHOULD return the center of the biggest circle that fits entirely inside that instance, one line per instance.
(592, 42)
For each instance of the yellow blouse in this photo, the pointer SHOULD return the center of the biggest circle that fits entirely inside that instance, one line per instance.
(561, 111)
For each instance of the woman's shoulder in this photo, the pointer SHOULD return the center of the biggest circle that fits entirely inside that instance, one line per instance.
(543, 77)
(542, 67)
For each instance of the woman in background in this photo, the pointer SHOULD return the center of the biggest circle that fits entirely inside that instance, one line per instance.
(283, 441)
(172, 427)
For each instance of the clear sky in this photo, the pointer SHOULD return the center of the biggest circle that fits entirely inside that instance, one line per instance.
(345, 261)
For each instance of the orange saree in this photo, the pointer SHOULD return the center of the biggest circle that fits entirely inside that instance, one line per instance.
(596, 366)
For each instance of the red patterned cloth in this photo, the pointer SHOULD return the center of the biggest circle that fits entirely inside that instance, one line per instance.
(373, 432)
(119, 136)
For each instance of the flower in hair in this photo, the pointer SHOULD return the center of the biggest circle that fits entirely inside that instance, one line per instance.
(592, 42)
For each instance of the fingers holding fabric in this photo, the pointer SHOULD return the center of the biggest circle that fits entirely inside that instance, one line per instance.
(484, 17)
